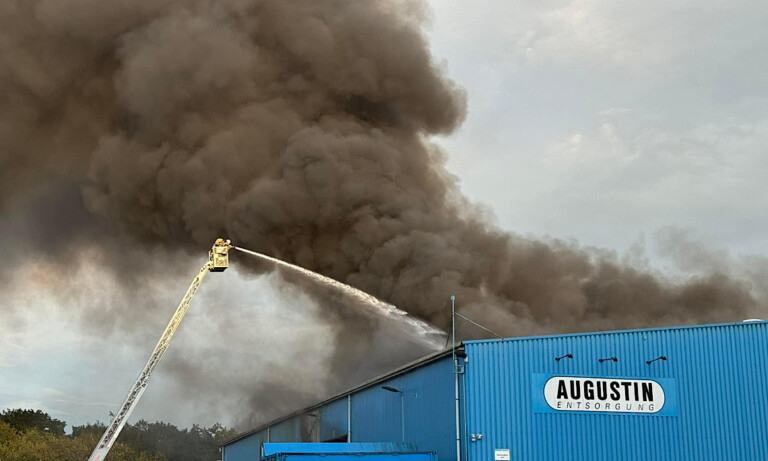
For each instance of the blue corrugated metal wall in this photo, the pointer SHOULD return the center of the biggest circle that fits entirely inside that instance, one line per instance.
(721, 372)
(285, 431)
(245, 449)
(429, 410)
(333, 422)
(376, 415)
(721, 383)
(384, 456)
(356, 448)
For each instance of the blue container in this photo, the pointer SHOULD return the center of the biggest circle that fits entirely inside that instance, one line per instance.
(352, 457)
(344, 452)
(325, 448)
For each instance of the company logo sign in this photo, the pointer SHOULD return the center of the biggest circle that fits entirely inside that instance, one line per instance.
(562, 394)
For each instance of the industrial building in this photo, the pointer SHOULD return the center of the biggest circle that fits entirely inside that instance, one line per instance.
(683, 393)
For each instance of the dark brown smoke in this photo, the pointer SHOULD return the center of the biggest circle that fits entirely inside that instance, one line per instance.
(300, 129)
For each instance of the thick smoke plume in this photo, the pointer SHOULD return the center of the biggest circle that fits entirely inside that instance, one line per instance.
(297, 128)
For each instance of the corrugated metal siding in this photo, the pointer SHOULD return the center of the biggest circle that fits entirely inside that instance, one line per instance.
(248, 448)
(357, 448)
(429, 410)
(352, 457)
(285, 431)
(333, 422)
(721, 374)
(376, 415)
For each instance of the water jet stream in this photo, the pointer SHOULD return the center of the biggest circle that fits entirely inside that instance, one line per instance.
(428, 333)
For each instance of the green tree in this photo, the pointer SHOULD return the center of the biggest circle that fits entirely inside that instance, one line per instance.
(35, 445)
(27, 435)
(221, 434)
(22, 420)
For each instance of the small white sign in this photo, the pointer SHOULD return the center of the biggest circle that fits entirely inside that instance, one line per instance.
(501, 455)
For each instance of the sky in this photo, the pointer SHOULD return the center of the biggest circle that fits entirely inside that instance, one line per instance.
(636, 127)
(610, 122)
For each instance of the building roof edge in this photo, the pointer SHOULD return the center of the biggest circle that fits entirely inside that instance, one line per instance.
(397, 371)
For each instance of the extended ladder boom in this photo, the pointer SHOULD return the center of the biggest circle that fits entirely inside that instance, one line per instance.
(218, 261)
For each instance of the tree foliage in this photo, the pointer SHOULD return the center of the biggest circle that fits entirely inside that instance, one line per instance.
(24, 437)
(195, 444)
(21, 420)
(35, 445)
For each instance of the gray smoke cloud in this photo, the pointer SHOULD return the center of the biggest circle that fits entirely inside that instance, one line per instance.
(299, 129)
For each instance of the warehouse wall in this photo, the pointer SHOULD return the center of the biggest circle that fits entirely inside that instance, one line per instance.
(720, 378)
(333, 422)
(248, 448)
(427, 401)
(286, 431)
(715, 379)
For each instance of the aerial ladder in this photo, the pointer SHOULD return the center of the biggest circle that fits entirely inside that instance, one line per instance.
(218, 261)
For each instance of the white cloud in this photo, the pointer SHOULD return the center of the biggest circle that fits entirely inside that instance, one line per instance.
(712, 165)
(578, 151)
(601, 120)
(606, 33)
(614, 111)
(639, 37)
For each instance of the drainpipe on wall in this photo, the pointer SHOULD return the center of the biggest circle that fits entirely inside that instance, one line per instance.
(455, 376)
(349, 418)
